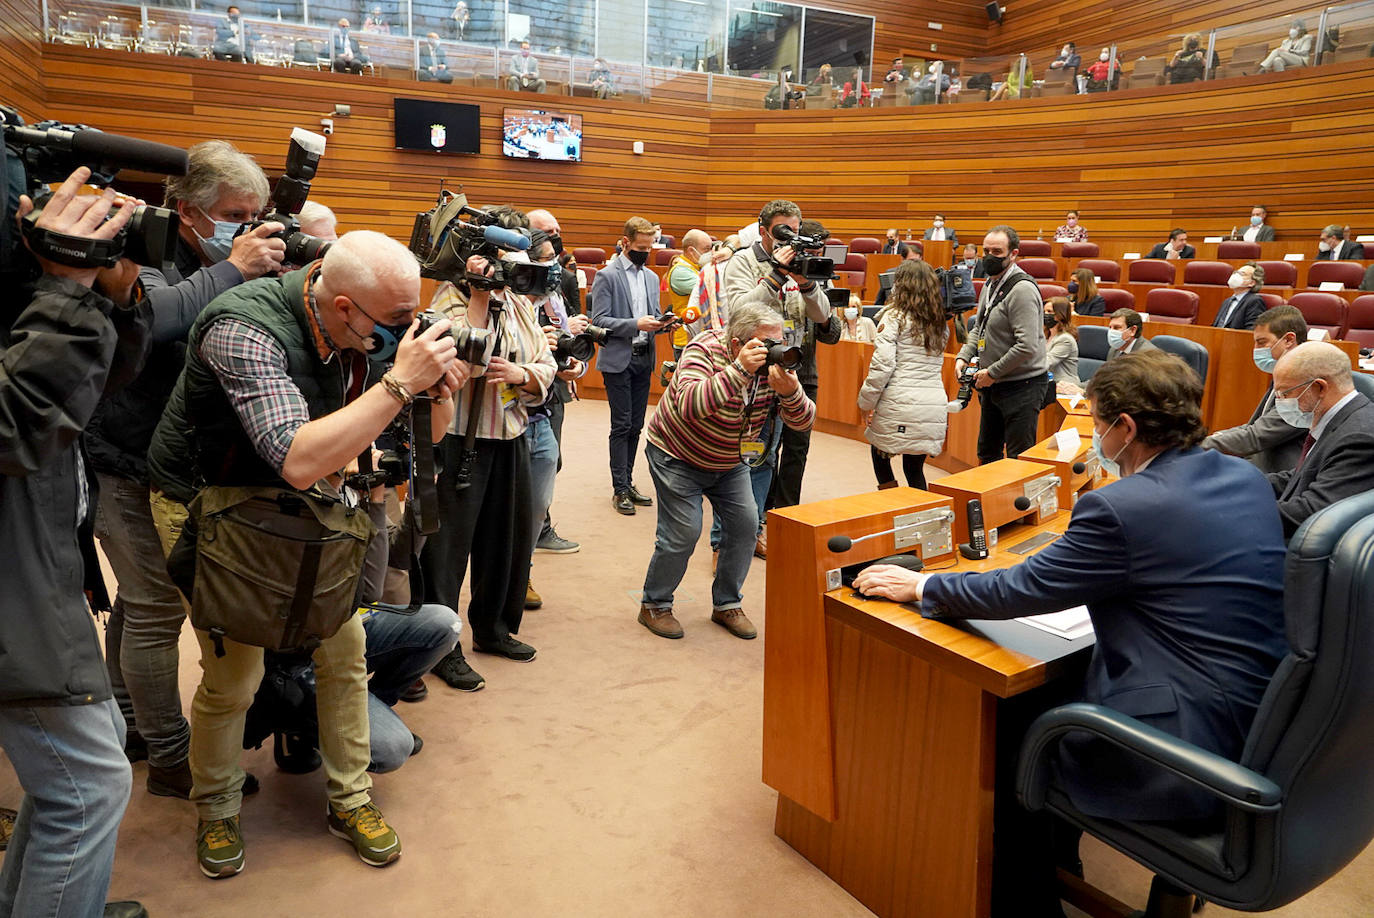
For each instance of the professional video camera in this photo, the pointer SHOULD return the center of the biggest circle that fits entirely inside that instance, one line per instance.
(957, 286)
(812, 267)
(443, 241)
(288, 197)
(49, 151)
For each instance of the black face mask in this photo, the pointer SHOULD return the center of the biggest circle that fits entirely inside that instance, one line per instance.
(1050, 320)
(638, 259)
(557, 242)
(1073, 286)
(994, 265)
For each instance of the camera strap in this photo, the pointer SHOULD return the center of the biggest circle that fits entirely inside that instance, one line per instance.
(72, 251)
(424, 489)
(985, 316)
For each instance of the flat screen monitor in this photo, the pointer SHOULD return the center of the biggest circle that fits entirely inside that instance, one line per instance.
(438, 127)
(531, 134)
(836, 252)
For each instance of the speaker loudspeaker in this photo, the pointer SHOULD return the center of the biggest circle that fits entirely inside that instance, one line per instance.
(994, 12)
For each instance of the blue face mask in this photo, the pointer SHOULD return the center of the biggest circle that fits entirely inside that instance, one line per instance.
(1265, 359)
(1291, 411)
(1256, 221)
(220, 243)
(1110, 466)
(381, 344)
(1115, 338)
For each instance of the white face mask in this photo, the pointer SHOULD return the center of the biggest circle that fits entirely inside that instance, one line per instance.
(851, 312)
(1110, 465)
(1071, 221)
(1236, 281)
(939, 224)
(1291, 411)
(1323, 246)
(1104, 57)
(1292, 33)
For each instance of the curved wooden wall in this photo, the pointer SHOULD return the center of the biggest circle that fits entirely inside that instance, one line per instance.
(21, 75)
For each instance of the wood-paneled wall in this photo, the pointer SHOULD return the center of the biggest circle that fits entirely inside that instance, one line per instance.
(904, 25)
(21, 75)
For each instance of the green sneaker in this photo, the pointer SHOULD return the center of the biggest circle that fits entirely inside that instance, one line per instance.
(364, 826)
(219, 847)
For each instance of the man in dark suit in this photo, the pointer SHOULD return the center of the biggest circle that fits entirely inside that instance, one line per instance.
(1242, 308)
(344, 50)
(939, 231)
(913, 252)
(1314, 390)
(1177, 247)
(1333, 246)
(1188, 620)
(232, 42)
(1268, 441)
(892, 245)
(434, 60)
(625, 302)
(973, 262)
(1126, 334)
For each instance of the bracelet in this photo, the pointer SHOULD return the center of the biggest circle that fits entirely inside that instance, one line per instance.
(807, 287)
(393, 385)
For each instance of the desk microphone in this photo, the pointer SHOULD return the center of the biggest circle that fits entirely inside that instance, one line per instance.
(1024, 503)
(841, 543)
(1079, 468)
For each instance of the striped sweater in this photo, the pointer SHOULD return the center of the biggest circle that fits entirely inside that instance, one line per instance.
(713, 405)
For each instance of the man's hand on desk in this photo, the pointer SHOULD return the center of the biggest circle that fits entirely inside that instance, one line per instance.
(891, 582)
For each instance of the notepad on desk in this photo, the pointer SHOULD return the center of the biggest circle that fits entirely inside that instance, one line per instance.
(1070, 624)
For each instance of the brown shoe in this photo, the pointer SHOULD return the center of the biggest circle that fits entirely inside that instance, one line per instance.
(661, 622)
(532, 599)
(761, 546)
(735, 622)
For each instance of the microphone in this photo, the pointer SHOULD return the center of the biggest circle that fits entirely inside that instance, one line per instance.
(1024, 503)
(1079, 468)
(506, 239)
(103, 152)
(841, 543)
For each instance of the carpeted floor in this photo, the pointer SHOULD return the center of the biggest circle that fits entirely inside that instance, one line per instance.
(617, 774)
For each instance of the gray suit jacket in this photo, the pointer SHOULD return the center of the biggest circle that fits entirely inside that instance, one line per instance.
(1340, 464)
(951, 235)
(1143, 344)
(1346, 251)
(613, 310)
(1265, 234)
(1268, 441)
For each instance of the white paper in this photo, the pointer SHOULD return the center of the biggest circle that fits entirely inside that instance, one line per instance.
(1212, 239)
(1293, 256)
(1331, 286)
(1096, 279)
(1130, 255)
(1316, 334)
(1067, 442)
(1069, 624)
(1074, 400)
(1364, 238)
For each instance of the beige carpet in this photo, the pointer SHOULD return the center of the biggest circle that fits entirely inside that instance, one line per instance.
(616, 775)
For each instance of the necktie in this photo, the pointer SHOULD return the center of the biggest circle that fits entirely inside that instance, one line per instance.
(1225, 316)
(1306, 448)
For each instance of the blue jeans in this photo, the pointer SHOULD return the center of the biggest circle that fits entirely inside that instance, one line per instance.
(760, 477)
(543, 468)
(680, 487)
(70, 760)
(401, 647)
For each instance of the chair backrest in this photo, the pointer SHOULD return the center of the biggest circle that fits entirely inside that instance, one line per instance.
(1034, 248)
(854, 261)
(865, 245)
(1193, 354)
(1326, 311)
(1169, 304)
(1149, 67)
(1360, 321)
(665, 256)
(590, 257)
(1051, 290)
(1092, 343)
(1271, 300)
(1151, 271)
(1279, 273)
(668, 241)
(1039, 268)
(1079, 250)
(1116, 298)
(978, 286)
(1238, 249)
(1364, 384)
(1349, 273)
(1109, 271)
(1216, 273)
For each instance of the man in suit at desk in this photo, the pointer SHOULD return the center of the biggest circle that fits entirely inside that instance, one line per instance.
(1258, 229)
(1314, 391)
(434, 60)
(1177, 247)
(1126, 334)
(913, 252)
(1188, 620)
(1333, 246)
(1268, 441)
(939, 231)
(892, 245)
(1242, 308)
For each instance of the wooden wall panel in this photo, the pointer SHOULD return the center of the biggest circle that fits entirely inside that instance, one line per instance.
(21, 37)
(903, 25)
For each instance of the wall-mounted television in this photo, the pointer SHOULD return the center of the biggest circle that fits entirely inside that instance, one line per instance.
(437, 127)
(531, 134)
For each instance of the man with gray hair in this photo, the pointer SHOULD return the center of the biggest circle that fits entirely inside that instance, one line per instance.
(222, 188)
(703, 437)
(1314, 390)
(1333, 246)
(278, 393)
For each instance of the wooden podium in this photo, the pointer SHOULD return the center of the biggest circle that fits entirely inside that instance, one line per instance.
(879, 726)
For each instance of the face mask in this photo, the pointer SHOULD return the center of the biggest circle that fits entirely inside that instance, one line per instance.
(638, 259)
(220, 243)
(970, 262)
(1292, 413)
(524, 52)
(1292, 33)
(1104, 57)
(1256, 221)
(994, 265)
(1236, 281)
(1049, 321)
(1265, 359)
(1110, 466)
(1323, 246)
(1115, 338)
(1070, 221)
(851, 312)
(1073, 286)
(939, 224)
(381, 344)
(555, 275)
(557, 242)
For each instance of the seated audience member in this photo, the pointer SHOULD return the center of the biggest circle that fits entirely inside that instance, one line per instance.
(434, 60)
(1100, 70)
(1189, 62)
(1192, 655)
(896, 74)
(1061, 345)
(892, 245)
(1126, 334)
(1068, 59)
(924, 91)
(232, 41)
(1368, 282)
(1268, 441)
(1243, 307)
(1313, 390)
(914, 252)
(938, 230)
(823, 78)
(973, 262)
(1083, 294)
(855, 325)
(602, 80)
(856, 91)
(1333, 246)
(1011, 87)
(376, 22)
(524, 72)
(1257, 230)
(1072, 230)
(344, 49)
(1177, 247)
(702, 436)
(1293, 51)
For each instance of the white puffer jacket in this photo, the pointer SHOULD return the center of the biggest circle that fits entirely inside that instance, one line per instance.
(905, 393)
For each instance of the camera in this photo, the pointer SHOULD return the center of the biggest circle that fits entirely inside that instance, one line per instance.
(666, 371)
(288, 197)
(49, 151)
(956, 285)
(812, 267)
(578, 347)
(444, 237)
(965, 394)
(780, 354)
(326, 126)
(475, 345)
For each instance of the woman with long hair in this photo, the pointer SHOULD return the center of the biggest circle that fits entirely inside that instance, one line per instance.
(1083, 292)
(1061, 343)
(903, 398)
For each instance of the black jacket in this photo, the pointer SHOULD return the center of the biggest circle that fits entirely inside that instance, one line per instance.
(1158, 251)
(1244, 314)
(61, 346)
(1096, 306)
(1346, 251)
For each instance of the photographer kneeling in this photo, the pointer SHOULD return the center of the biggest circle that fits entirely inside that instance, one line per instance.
(702, 436)
(273, 399)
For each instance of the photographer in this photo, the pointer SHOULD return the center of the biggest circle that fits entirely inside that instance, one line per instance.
(61, 344)
(221, 189)
(275, 396)
(1008, 340)
(705, 429)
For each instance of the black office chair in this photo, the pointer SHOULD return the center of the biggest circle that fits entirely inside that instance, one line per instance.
(1193, 354)
(1300, 802)
(1092, 350)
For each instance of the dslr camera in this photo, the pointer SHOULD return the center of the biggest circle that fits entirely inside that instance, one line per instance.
(288, 197)
(781, 355)
(475, 345)
(812, 267)
(444, 237)
(965, 393)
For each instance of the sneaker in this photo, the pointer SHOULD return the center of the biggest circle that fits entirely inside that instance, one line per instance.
(363, 826)
(735, 622)
(456, 672)
(554, 544)
(506, 646)
(661, 622)
(532, 598)
(219, 847)
(418, 691)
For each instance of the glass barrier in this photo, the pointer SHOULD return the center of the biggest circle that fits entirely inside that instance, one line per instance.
(1348, 33)
(763, 38)
(995, 78)
(1265, 45)
(1058, 71)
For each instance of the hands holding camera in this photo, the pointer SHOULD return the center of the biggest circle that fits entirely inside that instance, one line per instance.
(84, 216)
(429, 362)
(256, 253)
(499, 369)
(576, 325)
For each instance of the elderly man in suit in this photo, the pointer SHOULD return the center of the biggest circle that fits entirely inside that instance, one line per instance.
(344, 50)
(1315, 391)
(434, 60)
(1333, 246)
(1268, 441)
(1242, 308)
(625, 302)
(1177, 247)
(1126, 334)
(1189, 621)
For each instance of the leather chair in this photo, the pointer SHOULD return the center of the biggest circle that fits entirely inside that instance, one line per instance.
(1327, 311)
(1214, 273)
(1048, 291)
(590, 257)
(668, 241)
(1271, 300)
(1300, 799)
(1039, 268)
(665, 256)
(854, 261)
(1150, 271)
(1116, 298)
(1034, 248)
(1092, 350)
(1360, 321)
(1364, 384)
(1169, 304)
(1079, 250)
(866, 245)
(1193, 354)
(1349, 273)
(1279, 273)
(1238, 249)
(1109, 271)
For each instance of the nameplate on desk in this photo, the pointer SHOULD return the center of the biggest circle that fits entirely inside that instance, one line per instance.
(1096, 279)
(1331, 286)
(1293, 256)
(1128, 255)
(1068, 443)
(1069, 624)
(1364, 238)
(1213, 239)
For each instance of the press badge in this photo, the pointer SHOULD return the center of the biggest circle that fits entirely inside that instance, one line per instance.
(509, 395)
(751, 452)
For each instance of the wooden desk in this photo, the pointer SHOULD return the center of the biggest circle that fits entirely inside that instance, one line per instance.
(912, 715)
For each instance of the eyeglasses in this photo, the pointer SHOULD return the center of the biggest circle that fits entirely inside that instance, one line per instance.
(1302, 385)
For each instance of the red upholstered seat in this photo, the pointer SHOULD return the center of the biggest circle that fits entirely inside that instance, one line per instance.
(589, 256)
(1079, 250)
(854, 280)
(1109, 271)
(1360, 321)
(665, 256)
(1271, 300)
(1116, 298)
(854, 261)
(1034, 248)
(1151, 271)
(1039, 268)
(1169, 304)
(978, 286)
(1047, 291)
(1349, 273)
(1326, 311)
(866, 245)
(1238, 249)
(1216, 273)
(1279, 273)
(589, 272)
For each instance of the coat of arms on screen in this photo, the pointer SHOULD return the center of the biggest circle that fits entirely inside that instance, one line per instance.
(437, 136)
